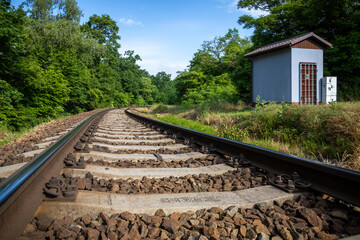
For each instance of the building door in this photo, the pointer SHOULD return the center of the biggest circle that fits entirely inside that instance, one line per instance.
(308, 83)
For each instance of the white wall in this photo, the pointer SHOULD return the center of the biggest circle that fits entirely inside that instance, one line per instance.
(299, 55)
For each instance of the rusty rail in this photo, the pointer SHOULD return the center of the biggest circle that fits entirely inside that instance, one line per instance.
(21, 193)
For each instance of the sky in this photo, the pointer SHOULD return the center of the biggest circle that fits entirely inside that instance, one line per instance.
(167, 33)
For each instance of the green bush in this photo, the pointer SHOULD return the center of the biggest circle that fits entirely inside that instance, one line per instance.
(331, 131)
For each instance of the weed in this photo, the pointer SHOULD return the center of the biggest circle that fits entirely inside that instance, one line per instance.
(260, 104)
(282, 109)
(7, 135)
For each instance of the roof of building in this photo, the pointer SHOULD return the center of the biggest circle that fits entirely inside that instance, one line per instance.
(288, 43)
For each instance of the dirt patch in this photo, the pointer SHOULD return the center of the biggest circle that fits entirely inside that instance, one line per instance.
(191, 114)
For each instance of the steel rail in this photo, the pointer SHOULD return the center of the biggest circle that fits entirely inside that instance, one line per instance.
(26, 184)
(341, 183)
(20, 177)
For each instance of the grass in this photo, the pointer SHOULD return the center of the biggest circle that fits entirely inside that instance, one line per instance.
(328, 133)
(194, 125)
(8, 135)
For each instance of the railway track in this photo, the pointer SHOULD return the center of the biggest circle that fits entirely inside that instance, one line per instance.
(120, 175)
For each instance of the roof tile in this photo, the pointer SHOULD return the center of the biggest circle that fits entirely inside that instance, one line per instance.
(288, 43)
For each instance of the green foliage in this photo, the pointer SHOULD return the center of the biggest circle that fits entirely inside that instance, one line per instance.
(50, 65)
(104, 30)
(215, 74)
(147, 90)
(260, 104)
(122, 99)
(241, 77)
(197, 88)
(336, 21)
(233, 132)
(139, 101)
(10, 99)
(166, 88)
(13, 43)
(50, 91)
(282, 109)
(329, 131)
(53, 10)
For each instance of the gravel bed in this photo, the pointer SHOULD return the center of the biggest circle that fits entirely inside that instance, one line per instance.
(191, 163)
(9, 152)
(312, 217)
(241, 178)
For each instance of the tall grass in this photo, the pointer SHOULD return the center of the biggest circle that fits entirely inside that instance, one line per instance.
(8, 135)
(329, 133)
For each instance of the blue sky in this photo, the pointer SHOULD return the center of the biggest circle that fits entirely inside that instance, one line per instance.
(166, 33)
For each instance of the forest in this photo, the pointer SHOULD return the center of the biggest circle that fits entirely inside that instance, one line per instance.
(51, 64)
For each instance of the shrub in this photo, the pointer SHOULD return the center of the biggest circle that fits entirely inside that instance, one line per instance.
(330, 131)
(161, 108)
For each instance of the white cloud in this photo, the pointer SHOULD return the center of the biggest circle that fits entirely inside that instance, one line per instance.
(231, 6)
(130, 22)
(254, 13)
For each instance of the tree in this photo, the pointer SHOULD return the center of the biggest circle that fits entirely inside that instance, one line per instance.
(13, 41)
(218, 67)
(166, 88)
(220, 54)
(10, 99)
(49, 64)
(148, 90)
(241, 77)
(53, 10)
(69, 10)
(105, 31)
(336, 21)
(189, 81)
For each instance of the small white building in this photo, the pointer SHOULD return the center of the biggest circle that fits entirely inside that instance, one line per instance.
(289, 70)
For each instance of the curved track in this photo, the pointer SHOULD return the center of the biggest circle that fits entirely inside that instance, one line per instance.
(126, 180)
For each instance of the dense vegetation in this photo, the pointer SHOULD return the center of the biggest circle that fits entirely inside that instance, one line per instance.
(218, 72)
(51, 64)
(327, 133)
